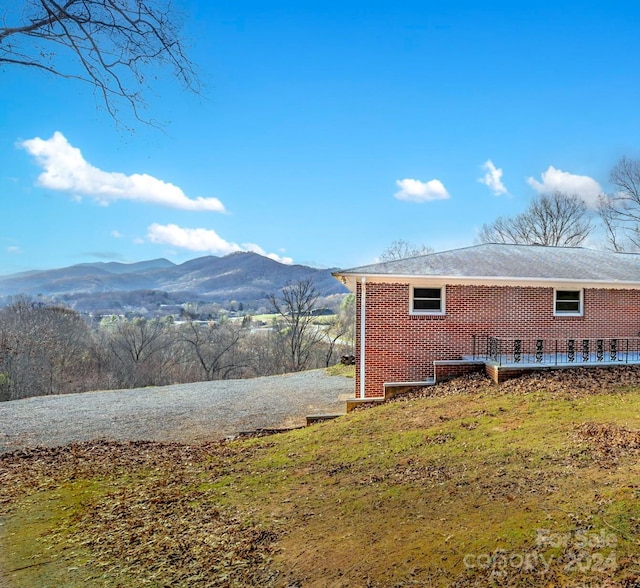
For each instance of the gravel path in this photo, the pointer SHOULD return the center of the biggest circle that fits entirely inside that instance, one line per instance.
(183, 412)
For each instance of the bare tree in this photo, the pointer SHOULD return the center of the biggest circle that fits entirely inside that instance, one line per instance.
(620, 210)
(401, 249)
(294, 326)
(556, 219)
(43, 350)
(333, 332)
(347, 316)
(114, 45)
(68, 344)
(615, 235)
(339, 330)
(138, 346)
(263, 353)
(214, 346)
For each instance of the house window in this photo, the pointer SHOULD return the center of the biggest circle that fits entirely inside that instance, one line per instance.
(427, 301)
(568, 302)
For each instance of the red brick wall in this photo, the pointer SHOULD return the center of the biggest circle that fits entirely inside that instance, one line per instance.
(401, 347)
(445, 371)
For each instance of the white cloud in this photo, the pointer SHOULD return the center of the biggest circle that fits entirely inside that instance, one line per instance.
(493, 178)
(14, 249)
(260, 251)
(205, 240)
(66, 170)
(554, 179)
(417, 191)
(116, 234)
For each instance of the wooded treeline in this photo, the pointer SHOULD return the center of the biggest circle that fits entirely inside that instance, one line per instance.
(55, 350)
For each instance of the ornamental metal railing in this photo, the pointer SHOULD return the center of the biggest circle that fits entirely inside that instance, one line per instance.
(576, 350)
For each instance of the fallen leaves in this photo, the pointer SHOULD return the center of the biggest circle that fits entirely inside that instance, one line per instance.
(609, 438)
(566, 383)
(160, 526)
(163, 516)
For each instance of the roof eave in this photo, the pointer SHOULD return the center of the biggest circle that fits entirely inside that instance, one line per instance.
(350, 280)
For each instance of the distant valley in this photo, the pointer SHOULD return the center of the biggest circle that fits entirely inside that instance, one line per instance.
(238, 281)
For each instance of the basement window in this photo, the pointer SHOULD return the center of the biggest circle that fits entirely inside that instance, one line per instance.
(568, 303)
(427, 301)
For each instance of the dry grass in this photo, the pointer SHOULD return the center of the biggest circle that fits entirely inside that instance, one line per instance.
(533, 483)
(349, 371)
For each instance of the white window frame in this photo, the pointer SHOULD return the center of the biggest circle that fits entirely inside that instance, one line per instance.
(579, 312)
(418, 311)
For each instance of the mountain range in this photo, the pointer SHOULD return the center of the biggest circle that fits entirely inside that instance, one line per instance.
(241, 277)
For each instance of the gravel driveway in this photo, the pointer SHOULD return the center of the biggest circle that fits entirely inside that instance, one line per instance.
(182, 412)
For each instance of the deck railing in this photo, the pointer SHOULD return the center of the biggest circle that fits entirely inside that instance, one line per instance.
(558, 351)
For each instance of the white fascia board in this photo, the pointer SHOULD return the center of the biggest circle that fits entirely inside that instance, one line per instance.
(350, 280)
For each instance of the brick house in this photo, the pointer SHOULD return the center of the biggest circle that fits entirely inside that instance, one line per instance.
(499, 307)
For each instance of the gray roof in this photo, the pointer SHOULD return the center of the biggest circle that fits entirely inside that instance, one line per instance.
(530, 262)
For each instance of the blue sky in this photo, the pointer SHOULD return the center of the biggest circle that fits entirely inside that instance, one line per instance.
(325, 131)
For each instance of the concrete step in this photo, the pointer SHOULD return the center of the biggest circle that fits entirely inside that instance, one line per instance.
(353, 402)
(312, 419)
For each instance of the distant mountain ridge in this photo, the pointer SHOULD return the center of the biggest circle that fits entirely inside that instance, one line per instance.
(117, 267)
(243, 276)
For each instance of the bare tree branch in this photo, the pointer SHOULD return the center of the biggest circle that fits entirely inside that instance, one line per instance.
(401, 249)
(620, 211)
(213, 345)
(555, 219)
(295, 306)
(115, 45)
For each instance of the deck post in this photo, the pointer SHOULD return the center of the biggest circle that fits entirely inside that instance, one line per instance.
(363, 338)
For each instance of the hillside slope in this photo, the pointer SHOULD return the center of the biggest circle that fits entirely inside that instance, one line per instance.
(534, 483)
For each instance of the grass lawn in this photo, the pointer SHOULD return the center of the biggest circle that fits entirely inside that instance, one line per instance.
(533, 483)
